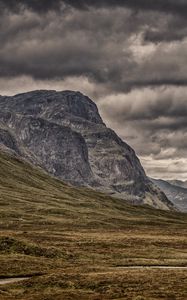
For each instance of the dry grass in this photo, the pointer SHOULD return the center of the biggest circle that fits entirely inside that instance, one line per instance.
(78, 239)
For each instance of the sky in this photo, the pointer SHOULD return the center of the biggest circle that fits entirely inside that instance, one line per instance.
(129, 56)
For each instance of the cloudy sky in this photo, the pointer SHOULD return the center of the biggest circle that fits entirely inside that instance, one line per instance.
(129, 56)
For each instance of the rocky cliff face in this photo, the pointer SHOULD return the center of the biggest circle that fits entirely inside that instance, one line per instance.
(175, 190)
(63, 133)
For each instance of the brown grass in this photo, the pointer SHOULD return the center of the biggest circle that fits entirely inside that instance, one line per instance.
(78, 240)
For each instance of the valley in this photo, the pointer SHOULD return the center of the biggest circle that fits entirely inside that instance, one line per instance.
(76, 243)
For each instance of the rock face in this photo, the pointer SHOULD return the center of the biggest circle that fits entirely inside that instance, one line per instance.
(182, 184)
(175, 190)
(63, 133)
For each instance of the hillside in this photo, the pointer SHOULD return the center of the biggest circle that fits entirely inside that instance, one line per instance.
(24, 188)
(80, 241)
(63, 133)
(175, 191)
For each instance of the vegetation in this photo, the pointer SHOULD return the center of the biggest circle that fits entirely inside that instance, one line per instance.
(79, 240)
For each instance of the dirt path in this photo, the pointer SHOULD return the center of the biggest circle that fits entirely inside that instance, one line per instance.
(12, 280)
(153, 267)
(114, 269)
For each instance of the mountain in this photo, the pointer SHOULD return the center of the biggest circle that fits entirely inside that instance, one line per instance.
(63, 133)
(179, 183)
(175, 192)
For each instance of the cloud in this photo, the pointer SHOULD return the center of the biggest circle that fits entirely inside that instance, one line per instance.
(166, 169)
(93, 44)
(78, 48)
(34, 5)
(148, 104)
(22, 84)
(168, 6)
(152, 120)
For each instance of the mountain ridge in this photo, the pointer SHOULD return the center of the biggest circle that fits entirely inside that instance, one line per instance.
(179, 183)
(177, 194)
(63, 133)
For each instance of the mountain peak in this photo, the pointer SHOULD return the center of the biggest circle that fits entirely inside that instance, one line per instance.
(63, 133)
(46, 92)
(53, 104)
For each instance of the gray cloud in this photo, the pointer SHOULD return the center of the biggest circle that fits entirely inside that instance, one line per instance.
(168, 6)
(93, 43)
(154, 122)
(37, 6)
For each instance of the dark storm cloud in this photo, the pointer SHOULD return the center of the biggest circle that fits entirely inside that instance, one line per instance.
(153, 120)
(73, 45)
(160, 107)
(94, 44)
(174, 29)
(168, 6)
(35, 5)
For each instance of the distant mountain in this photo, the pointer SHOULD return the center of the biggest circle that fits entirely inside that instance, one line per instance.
(175, 192)
(179, 183)
(63, 133)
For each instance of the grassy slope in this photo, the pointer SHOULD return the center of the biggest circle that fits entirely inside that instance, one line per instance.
(78, 238)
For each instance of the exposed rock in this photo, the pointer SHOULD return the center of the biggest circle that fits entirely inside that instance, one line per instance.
(64, 134)
(175, 191)
(7, 142)
(179, 183)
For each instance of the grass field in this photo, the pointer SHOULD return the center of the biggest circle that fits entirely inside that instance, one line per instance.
(75, 242)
